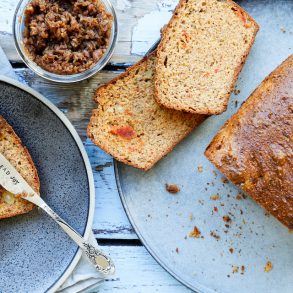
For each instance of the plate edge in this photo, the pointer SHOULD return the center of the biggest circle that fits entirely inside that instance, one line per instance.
(88, 167)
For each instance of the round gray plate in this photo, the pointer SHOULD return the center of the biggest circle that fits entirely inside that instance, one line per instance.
(162, 221)
(35, 255)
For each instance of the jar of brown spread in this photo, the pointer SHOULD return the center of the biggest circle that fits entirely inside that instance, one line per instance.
(66, 36)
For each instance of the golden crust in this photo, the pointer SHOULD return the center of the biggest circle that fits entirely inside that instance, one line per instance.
(254, 147)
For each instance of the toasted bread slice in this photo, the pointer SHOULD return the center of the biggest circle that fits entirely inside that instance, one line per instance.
(130, 125)
(201, 54)
(12, 149)
(255, 147)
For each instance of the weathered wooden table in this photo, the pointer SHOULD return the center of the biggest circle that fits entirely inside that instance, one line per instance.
(139, 27)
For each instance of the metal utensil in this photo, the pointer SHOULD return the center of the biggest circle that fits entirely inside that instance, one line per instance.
(13, 182)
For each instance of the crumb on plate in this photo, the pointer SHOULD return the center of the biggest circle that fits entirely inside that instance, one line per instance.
(172, 188)
(268, 267)
(215, 197)
(195, 233)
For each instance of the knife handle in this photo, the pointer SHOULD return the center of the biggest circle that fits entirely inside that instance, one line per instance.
(99, 259)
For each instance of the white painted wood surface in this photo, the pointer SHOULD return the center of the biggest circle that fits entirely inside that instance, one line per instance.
(139, 23)
(138, 272)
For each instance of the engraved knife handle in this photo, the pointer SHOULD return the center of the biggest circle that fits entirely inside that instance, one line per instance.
(99, 259)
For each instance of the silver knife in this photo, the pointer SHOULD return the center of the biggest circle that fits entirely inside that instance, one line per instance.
(14, 183)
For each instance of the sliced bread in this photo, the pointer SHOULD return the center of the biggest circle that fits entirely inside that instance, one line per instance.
(255, 147)
(12, 149)
(130, 125)
(201, 54)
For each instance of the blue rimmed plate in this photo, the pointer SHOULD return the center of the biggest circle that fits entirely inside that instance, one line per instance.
(35, 254)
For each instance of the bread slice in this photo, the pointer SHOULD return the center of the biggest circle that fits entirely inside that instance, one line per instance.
(255, 147)
(201, 54)
(12, 149)
(130, 125)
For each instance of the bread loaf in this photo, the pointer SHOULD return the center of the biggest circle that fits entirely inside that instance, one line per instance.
(255, 147)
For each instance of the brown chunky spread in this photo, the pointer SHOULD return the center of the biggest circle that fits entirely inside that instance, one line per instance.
(255, 147)
(66, 36)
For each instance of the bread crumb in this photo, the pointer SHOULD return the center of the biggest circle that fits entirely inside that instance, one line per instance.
(215, 235)
(172, 188)
(191, 217)
(195, 233)
(239, 196)
(236, 92)
(215, 197)
(231, 250)
(242, 270)
(235, 269)
(282, 29)
(200, 168)
(225, 180)
(268, 267)
(226, 219)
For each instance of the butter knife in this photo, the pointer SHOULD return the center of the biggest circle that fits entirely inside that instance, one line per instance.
(14, 183)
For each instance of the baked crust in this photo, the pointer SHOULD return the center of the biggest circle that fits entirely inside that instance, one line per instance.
(254, 149)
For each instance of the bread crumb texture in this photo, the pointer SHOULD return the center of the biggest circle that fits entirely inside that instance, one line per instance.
(202, 51)
(18, 156)
(254, 149)
(130, 125)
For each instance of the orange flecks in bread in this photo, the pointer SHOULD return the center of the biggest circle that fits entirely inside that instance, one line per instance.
(126, 132)
(186, 36)
(241, 14)
(185, 39)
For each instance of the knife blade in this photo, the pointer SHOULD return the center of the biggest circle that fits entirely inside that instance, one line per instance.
(12, 181)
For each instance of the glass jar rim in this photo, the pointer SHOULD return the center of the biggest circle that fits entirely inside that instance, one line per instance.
(18, 40)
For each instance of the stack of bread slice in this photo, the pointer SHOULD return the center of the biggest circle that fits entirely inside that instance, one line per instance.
(146, 111)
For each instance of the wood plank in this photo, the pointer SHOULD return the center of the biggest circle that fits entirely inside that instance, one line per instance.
(137, 271)
(110, 220)
(75, 101)
(139, 21)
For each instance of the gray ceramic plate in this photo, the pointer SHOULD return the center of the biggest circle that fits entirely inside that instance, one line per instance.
(162, 221)
(35, 255)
